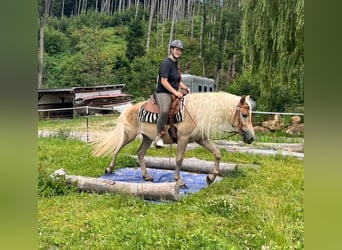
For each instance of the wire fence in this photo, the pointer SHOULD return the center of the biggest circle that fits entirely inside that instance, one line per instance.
(277, 113)
(88, 108)
(88, 111)
(75, 108)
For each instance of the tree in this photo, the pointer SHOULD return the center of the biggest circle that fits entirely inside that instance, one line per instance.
(273, 45)
(153, 6)
(92, 58)
(43, 21)
(142, 78)
(134, 39)
(176, 8)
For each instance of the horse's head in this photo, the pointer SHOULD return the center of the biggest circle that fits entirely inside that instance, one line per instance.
(243, 119)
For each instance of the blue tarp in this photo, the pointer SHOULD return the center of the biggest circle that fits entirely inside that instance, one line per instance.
(194, 181)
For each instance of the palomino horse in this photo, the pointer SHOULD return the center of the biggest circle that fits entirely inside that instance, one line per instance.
(203, 115)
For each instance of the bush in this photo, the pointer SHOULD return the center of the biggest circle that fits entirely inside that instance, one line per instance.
(243, 85)
(49, 186)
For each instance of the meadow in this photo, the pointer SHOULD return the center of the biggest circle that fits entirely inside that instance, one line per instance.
(252, 208)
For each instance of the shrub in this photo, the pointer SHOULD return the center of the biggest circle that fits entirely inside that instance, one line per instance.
(49, 186)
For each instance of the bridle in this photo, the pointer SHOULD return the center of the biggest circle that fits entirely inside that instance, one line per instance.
(237, 116)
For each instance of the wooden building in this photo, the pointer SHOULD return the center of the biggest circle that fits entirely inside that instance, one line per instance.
(75, 101)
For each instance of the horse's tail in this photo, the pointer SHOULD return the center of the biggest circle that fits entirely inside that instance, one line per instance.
(111, 142)
(125, 130)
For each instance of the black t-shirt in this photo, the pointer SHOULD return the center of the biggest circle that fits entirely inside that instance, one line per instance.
(169, 70)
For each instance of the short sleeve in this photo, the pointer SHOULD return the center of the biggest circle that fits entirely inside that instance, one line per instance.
(164, 70)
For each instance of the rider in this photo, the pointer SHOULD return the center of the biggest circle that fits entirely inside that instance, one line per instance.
(169, 83)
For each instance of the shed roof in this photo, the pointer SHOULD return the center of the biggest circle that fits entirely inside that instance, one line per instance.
(80, 89)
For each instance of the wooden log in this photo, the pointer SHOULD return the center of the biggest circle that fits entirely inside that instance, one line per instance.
(190, 164)
(146, 190)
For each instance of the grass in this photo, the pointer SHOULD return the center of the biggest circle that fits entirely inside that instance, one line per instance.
(104, 122)
(253, 208)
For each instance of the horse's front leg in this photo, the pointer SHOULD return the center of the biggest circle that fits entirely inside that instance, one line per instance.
(146, 143)
(206, 143)
(181, 146)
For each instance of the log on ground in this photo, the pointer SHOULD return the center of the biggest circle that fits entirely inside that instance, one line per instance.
(189, 164)
(146, 190)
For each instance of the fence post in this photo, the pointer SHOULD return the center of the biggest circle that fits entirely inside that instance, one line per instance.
(87, 116)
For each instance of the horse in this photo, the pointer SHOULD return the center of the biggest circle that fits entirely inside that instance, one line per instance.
(203, 114)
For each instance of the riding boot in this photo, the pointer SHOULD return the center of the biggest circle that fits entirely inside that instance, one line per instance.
(158, 141)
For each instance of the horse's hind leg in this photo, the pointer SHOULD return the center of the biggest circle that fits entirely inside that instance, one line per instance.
(110, 168)
(146, 143)
(127, 139)
(207, 144)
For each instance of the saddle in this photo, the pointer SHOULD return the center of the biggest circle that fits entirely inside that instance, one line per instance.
(152, 106)
(175, 109)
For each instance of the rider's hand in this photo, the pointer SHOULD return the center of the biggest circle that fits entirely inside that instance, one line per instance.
(179, 94)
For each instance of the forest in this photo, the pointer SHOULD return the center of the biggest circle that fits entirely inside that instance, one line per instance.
(247, 46)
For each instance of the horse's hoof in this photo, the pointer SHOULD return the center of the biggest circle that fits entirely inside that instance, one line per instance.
(182, 185)
(209, 182)
(108, 171)
(148, 178)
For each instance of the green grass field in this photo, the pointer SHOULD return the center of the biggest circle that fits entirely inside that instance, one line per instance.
(253, 208)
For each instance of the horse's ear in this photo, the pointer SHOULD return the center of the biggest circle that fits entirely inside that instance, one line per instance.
(242, 100)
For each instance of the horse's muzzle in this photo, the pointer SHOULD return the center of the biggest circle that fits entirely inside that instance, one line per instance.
(250, 140)
(247, 137)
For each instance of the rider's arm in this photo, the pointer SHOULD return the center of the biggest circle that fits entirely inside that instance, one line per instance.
(183, 86)
(168, 86)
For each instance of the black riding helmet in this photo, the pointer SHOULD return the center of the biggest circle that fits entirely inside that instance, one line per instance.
(177, 44)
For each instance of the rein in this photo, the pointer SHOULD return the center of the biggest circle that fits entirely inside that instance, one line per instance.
(232, 133)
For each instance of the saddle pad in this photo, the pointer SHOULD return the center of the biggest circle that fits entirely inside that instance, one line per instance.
(150, 117)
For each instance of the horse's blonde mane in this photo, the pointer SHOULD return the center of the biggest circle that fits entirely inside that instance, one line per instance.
(212, 111)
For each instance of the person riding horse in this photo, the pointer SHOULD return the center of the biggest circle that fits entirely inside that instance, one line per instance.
(223, 109)
(169, 83)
